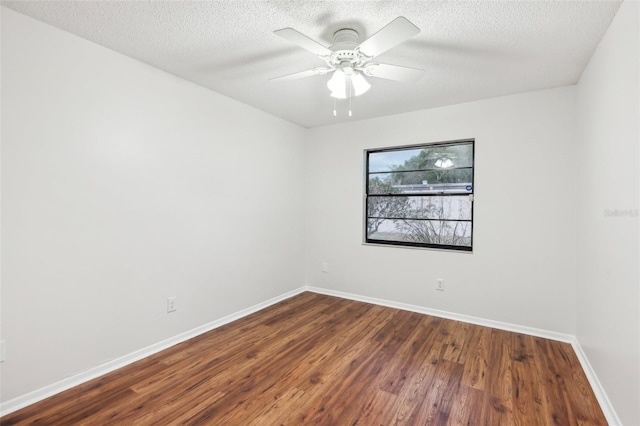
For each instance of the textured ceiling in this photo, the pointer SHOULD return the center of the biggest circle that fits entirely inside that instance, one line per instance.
(470, 49)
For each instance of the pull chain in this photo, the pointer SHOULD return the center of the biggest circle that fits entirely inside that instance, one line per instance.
(350, 90)
(335, 109)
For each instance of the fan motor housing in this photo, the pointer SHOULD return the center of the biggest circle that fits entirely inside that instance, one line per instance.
(345, 41)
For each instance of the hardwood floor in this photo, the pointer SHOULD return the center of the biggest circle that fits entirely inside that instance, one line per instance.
(316, 359)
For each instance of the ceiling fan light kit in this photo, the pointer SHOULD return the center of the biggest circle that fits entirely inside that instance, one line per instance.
(347, 82)
(350, 62)
(443, 163)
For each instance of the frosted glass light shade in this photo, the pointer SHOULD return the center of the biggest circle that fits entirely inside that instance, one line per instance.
(339, 84)
(360, 85)
(443, 163)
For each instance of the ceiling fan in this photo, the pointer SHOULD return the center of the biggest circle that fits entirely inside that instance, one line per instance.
(442, 160)
(348, 60)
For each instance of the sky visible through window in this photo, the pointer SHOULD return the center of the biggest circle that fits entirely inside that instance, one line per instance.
(388, 160)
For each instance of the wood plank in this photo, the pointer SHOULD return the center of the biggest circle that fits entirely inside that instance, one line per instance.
(529, 404)
(316, 359)
(476, 367)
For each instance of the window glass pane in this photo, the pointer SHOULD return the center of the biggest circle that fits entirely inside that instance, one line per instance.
(433, 157)
(431, 181)
(459, 155)
(413, 207)
(455, 233)
(419, 195)
(388, 161)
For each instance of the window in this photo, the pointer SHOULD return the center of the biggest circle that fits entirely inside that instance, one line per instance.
(420, 196)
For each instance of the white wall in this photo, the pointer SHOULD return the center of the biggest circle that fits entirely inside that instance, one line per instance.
(608, 295)
(522, 269)
(123, 185)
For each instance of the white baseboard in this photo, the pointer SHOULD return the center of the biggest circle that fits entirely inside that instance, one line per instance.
(567, 338)
(67, 383)
(603, 399)
(601, 396)
(97, 371)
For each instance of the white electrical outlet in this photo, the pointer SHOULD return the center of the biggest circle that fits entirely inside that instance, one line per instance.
(440, 284)
(325, 267)
(171, 304)
(3, 351)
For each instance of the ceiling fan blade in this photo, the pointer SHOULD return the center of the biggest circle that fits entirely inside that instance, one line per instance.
(303, 41)
(303, 74)
(394, 33)
(394, 72)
